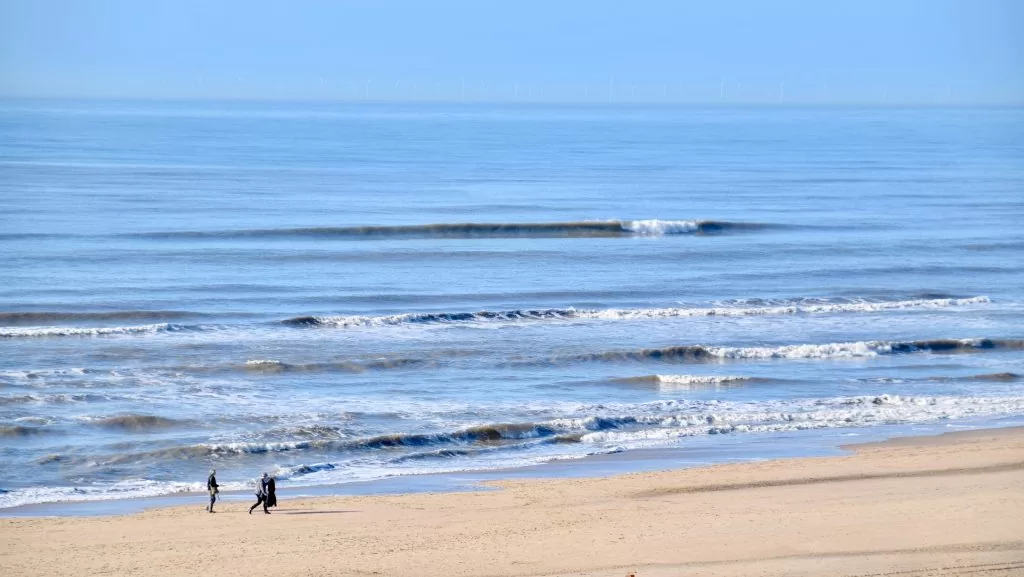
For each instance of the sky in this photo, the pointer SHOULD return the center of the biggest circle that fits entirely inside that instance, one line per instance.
(817, 51)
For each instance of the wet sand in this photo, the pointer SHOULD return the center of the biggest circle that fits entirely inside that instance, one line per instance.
(946, 505)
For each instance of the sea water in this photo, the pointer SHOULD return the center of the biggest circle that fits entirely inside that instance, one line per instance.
(336, 293)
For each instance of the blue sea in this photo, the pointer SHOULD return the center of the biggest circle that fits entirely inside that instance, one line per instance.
(337, 293)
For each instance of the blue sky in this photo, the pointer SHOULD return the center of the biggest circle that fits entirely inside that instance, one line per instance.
(925, 51)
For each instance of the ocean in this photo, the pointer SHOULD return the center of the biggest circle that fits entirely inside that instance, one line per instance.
(337, 293)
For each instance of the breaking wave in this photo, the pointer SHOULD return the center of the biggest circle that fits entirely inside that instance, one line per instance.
(684, 382)
(629, 314)
(476, 434)
(27, 332)
(586, 430)
(579, 229)
(672, 418)
(698, 353)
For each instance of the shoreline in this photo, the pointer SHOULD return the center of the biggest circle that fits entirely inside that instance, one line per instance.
(699, 452)
(937, 505)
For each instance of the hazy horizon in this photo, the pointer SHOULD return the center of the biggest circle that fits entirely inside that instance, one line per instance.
(948, 52)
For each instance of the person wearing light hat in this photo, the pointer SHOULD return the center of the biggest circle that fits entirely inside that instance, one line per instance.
(211, 486)
(261, 493)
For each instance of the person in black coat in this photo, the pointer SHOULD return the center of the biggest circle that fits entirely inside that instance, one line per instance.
(271, 493)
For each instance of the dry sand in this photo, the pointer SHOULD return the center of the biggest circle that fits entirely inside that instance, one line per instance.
(949, 505)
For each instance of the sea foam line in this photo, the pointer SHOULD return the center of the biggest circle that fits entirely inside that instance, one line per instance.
(697, 353)
(23, 332)
(598, 428)
(626, 314)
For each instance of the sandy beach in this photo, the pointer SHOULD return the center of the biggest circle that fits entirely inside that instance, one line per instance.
(946, 505)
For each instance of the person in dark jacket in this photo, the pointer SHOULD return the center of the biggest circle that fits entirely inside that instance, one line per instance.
(262, 490)
(212, 488)
(271, 493)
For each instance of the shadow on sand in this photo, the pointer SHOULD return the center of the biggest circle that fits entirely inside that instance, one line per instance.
(310, 512)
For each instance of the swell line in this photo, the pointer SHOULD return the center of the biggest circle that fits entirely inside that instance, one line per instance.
(578, 229)
(33, 317)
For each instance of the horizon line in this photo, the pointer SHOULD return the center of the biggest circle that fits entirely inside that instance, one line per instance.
(604, 103)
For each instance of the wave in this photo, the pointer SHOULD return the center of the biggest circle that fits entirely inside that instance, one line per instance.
(136, 423)
(659, 419)
(698, 353)
(270, 366)
(26, 318)
(490, 433)
(21, 431)
(802, 306)
(711, 418)
(579, 229)
(586, 430)
(57, 398)
(695, 416)
(996, 377)
(27, 332)
(683, 382)
(628, 314)
(430, 318)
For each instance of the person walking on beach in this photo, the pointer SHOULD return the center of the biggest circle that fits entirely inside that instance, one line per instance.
(212, 487)
(271, 492)
(262, 490)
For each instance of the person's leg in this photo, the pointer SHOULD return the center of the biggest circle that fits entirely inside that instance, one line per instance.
(265, 510)
(213, 498)
(259, 499)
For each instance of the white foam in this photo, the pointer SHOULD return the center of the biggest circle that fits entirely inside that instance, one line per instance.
(128, 489)
(644, 313)
(677, 382)
(805, 351)
(605, 428)
(659, 425)
(823, 351)
(793, 309)
(698, 379)
(660, 227)
(368, 321)
(79, 331)
(263, 363)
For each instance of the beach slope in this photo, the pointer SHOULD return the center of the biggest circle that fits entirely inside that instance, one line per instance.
(947, 505)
